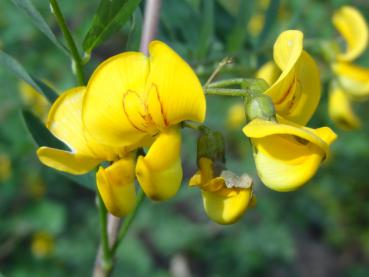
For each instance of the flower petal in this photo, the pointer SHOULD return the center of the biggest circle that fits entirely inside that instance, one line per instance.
(296, 92)
(160, 171)
(103, 113)
(259, 128)
(116, 186)
(226, 209)
(66, 161)
(176, 92)
(287, 49)
(340, 110)
(64, 120)
(287, 156)
(304, 98)
(353, 79)
(352, 26)
(269, 72)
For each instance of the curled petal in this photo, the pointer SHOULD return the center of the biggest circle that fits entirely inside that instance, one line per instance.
(160, 171)
(65, 161)
(116, 85)
(296, 92)
(287, 49)
(226, 209)
(116, 186)
(176, 92)
(287, 156)
(269, 72)
(64, 120)
(303, 98)
(340, 110)
(353, 28)
(353, 79)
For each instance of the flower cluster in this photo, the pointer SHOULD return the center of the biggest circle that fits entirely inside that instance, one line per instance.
(287, 154)
(351, 82)
(134, 103)
(131, 102)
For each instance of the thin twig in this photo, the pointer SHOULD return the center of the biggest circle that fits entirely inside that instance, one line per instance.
(224, 62)
(128, 221)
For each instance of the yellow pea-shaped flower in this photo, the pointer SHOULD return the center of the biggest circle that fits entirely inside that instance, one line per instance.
(293, 78)
(340, 110)
(226, 196)
(352, 26)
(65, 123)
(287, 156)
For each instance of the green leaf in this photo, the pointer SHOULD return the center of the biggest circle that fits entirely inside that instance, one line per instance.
(49, 93)
(270, 18)
(27, 7)
(12, 64)
(239, 34)
(46, 216)
(134, 36)
(111, 15)
(43, 137)
(207, 29)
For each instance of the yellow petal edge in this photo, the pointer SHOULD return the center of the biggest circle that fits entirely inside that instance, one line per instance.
(287, 156)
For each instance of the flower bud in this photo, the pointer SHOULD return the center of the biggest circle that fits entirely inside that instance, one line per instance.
(259, 106)
(210, 144)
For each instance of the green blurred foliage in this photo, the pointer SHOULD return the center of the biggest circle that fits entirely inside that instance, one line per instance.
(319, 230)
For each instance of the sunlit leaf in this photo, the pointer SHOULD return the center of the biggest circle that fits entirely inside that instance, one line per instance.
(111, 15)
(13, 65)
(27, 7)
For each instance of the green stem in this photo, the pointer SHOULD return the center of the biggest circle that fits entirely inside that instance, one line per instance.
(228, 92)
(127, 222)
(70, 41)
(107, 261)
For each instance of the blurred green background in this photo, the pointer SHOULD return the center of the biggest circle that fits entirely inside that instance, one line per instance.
(48, 224)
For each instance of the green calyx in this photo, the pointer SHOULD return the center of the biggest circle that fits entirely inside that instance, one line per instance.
(211, 145)
(259, 106)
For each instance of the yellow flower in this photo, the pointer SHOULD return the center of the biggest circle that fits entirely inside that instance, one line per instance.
(256, 24)
(287, 156)
(236, 116)
(65, 123)
(34, 100)
(353, 28)
(42, 245)
(340, 110)
(5, 167)
(352, 81)
(132, 98)
(131, 101)
(35, 186)
(296, 91)
(225, 195)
